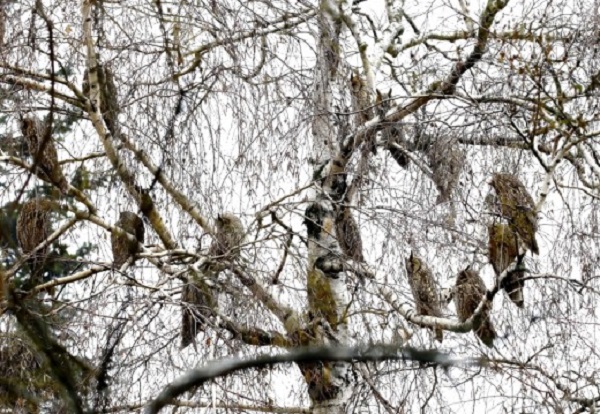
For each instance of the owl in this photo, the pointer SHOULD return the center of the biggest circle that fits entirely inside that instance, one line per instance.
(446, 160)
(122, 247)
(424, 290)
(503, 249)
(197, 300)
(513, 202)
(40, 145)
(229, 235)
(348, 235)
(197, 297)
(109, 104)
(33, 227)
(361, 104)
(468, 293)
(392, 133)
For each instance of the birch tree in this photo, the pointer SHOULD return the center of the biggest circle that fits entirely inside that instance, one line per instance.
(349, 138)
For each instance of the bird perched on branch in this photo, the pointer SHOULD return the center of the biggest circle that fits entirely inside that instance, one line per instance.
(33, 227)
(197, 302)
(122, 247)
(446, 160)
(197, 296)
(40, 144)
(514, 203)
(229, 235)
(503, 249)
(109, 103)
(348, 234)
(424, 290)
(468, 293)
(392, 134)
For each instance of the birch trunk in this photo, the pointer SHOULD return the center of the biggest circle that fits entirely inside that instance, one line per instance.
(328, 383)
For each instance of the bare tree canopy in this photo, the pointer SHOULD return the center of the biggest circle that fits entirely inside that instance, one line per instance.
(315, 194)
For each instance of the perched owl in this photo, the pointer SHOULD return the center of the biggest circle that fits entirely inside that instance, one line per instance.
(424, 290)
(392, 133)
(197, 300)
(361, 100)
(446, 160)
(122, 247)
(514, 203)
(503, 249)
(468, 293)
(109, 104)
(348, 235)
(40, 145)
(229, 235)
(362, 103)
(33, 227)
(197, 297)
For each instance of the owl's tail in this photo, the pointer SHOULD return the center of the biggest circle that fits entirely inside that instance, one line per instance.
(439, 335)
(486, 332)
(513, 285)
(196, 303)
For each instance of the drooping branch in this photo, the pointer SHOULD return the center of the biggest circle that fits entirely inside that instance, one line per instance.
(217, 369)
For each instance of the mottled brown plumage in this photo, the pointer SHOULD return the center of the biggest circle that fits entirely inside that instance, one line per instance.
(424, 290)
(229, 235)
(109, 103)
(38, 137)
(197, 302)
(33, 227)
(348, 235)
(362, 105)
(392, 133)
(197, 296)
(446, 160)
(503, 249)
(122, 247)
(468, 293)
(514, 203)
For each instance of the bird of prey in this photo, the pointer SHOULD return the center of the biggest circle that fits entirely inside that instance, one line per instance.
(503, 249)
(197, 296)
(40, 144)
(514, 203)
(122, 247)
(468, 293)
(33, 227)
(424, 290)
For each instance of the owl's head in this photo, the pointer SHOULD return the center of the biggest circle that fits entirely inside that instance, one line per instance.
(230, 222)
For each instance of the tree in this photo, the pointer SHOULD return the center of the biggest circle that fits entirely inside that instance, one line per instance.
(270, 111)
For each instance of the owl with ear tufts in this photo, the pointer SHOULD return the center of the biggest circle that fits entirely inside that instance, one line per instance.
(40, 144)
(122, 247)
(229, 235)
(503, 249)
(468, 293)
(198, 297)
(424, 290)
(515, 204)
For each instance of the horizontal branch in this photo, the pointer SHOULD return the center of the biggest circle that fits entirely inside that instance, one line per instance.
(199, 376)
